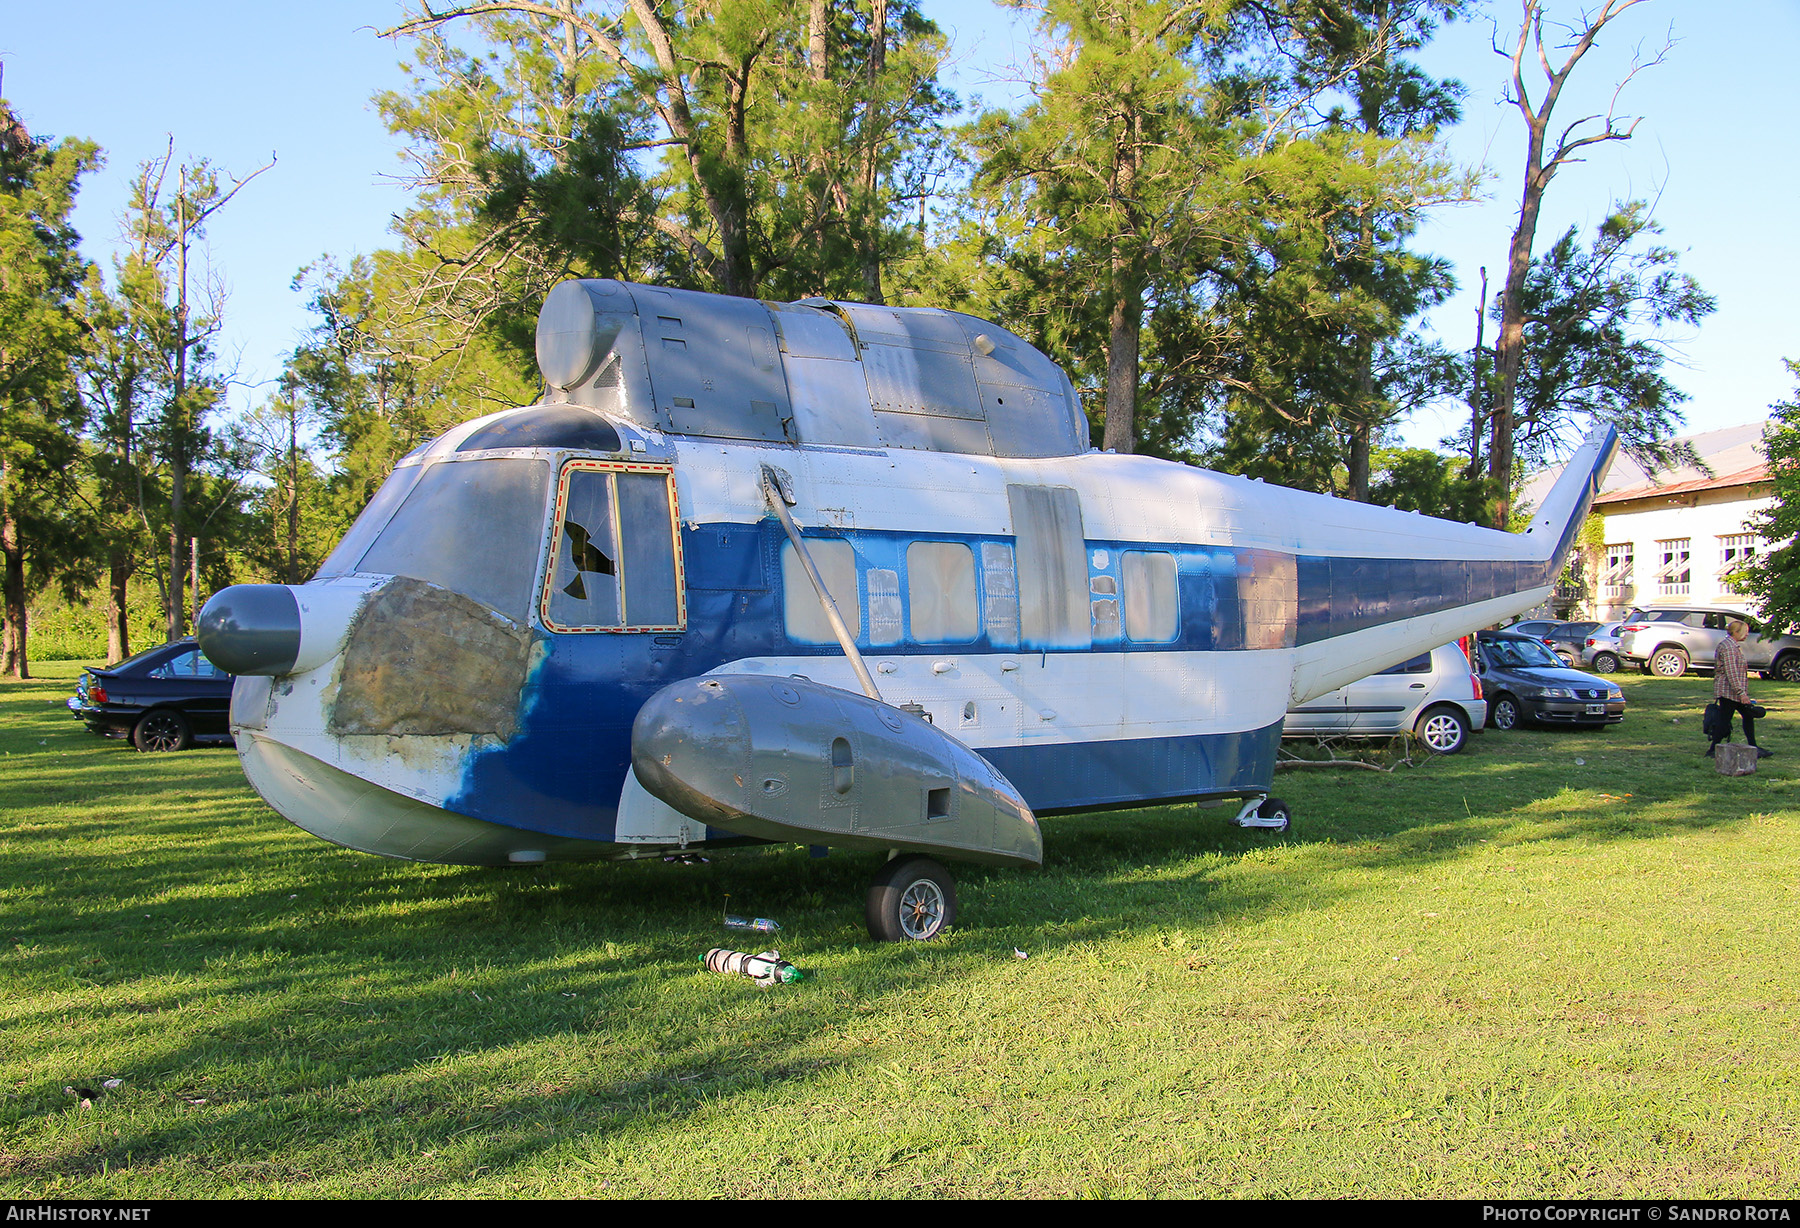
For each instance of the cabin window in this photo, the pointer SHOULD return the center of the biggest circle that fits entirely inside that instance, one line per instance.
(473, 527)
(1000, 595)
(1151, 603)
(885, 623)
(940, 589)
(803, 616)
(616, 558)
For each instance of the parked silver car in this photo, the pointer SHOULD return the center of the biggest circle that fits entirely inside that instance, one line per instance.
(1600, 651)
(1670, 640)
(1435, 695)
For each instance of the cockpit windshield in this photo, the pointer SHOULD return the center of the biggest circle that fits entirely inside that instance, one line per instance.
(475, 527)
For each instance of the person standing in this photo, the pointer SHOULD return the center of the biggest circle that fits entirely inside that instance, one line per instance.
(1731, 687)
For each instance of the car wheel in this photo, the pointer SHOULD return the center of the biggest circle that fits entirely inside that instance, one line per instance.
(1605, 663)
(161, 729)
(1669, 663)
(1443, 730)
(1787, 667)
(1567, 658)
(913, 899)
(1505, 713)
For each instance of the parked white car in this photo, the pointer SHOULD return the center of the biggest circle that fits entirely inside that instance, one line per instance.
(1435, 696)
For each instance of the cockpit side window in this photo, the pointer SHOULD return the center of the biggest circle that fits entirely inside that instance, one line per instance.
(616, 556)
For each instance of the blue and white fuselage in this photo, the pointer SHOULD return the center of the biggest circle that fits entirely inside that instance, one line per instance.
(461, 682)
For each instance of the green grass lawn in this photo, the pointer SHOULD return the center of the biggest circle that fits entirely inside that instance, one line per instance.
(1559, 964)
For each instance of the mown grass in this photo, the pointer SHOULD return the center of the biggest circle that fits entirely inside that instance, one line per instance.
(1559, 964)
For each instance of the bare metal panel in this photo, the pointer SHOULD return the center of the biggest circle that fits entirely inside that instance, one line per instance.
(1052, 560)
(808, 332)
(1029, 422)
(713, 364)
(831, 402)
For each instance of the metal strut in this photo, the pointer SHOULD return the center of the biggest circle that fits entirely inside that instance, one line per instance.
(778, 499)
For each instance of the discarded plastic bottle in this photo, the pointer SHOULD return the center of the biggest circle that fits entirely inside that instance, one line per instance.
(760, 925)
(766, 969)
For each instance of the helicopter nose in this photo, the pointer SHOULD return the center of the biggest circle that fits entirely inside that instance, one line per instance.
(251, 629)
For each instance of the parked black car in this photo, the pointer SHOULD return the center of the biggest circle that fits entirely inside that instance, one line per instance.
(166, 698)
(1524, 681)
(1567, 640)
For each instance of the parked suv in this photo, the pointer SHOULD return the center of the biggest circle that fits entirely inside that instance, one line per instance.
(1670, 640)
(1435, 695)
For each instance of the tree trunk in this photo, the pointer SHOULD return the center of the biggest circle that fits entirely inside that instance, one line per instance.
(869, 223)
(118, 613)
(13, 661)
(1358, 463)
(1123, 335)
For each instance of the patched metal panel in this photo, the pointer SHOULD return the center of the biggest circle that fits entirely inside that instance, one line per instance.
(910, 380)
(1053, 571)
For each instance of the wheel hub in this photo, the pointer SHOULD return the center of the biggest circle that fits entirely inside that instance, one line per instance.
(921, 909)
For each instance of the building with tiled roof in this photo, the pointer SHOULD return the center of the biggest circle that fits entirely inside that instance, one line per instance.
(1677, 535)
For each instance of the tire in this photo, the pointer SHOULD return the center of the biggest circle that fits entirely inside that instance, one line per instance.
(1275, 808)
(1444, 730)
(1668, 662)
(1605, 663)
(1787, 667)
(1504, 714)
(161, 729)
(913, 899)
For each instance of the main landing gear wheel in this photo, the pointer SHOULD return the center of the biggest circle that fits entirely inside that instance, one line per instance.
(913, 899)
(161, 730)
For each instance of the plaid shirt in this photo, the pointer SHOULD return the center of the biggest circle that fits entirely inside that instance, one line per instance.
(1730, 679)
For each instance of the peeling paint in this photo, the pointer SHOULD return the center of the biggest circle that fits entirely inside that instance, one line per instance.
(424, 660)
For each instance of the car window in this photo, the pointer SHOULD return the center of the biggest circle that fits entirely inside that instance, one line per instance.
(1420, 664)
(189, 664)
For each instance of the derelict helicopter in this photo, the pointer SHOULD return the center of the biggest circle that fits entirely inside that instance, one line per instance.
(823, 573)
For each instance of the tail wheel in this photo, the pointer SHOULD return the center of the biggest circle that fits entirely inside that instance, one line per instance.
(913, 899)
(1275, 808)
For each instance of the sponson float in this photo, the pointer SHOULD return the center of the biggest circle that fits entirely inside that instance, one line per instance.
(826, 573)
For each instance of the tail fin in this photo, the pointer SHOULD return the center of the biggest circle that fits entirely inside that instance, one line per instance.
(1565, 508)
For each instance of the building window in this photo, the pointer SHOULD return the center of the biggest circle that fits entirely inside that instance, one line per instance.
(1674, 574)
(1615, 580)
(1736, 550)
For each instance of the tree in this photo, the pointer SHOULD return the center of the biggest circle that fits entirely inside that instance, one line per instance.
(1593, 347)
(181, 319)
(1544, 157)
(1773, 577)
(40, 417)
(792, 128)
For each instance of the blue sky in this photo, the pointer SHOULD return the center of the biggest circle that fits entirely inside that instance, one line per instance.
(1718, 149)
